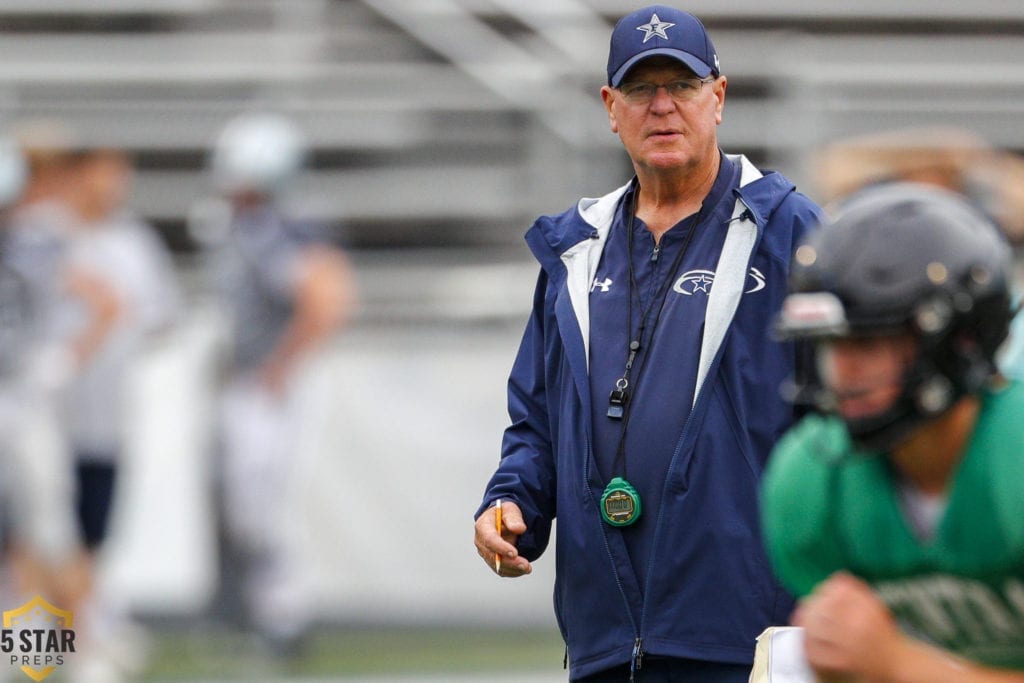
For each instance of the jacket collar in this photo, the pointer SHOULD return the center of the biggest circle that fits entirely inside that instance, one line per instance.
(575, 240)
(590, 221)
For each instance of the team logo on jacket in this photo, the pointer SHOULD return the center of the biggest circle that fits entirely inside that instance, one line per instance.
(699, 282)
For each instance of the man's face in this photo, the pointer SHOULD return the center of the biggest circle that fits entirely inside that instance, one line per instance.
(106, 178)
(865, 374)
(665, 134)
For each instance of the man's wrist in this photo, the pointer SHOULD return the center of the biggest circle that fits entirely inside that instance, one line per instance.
(913, 661)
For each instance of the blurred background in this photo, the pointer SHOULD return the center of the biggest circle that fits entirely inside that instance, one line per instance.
(432, 133)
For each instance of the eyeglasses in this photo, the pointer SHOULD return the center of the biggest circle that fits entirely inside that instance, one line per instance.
(683, 90)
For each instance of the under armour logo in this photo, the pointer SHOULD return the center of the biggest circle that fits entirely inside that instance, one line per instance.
(605, 286)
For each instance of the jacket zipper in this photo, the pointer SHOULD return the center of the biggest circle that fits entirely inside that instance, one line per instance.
(684, 435)
(636, 662)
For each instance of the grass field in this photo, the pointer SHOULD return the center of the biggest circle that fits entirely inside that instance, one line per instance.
(358, 653)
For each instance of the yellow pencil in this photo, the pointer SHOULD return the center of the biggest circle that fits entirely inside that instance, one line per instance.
(497, 525)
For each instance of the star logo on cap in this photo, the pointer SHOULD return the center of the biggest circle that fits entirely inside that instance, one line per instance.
(656, 27)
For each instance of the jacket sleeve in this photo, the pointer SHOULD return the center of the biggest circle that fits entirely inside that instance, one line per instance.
(526, 472)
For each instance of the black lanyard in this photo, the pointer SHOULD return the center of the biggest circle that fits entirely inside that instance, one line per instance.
(619, 406)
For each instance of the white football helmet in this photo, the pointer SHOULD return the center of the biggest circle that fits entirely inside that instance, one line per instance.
(257, 153)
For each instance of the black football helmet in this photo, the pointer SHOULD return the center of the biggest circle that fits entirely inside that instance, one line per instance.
(897, 258)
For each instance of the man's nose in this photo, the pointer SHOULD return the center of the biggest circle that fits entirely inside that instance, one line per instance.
(661, 101)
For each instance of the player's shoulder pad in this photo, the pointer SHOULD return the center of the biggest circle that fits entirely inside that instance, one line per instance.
(796, 485)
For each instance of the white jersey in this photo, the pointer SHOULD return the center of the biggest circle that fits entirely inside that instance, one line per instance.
(130, 258)
(35, 249)
(14, 319)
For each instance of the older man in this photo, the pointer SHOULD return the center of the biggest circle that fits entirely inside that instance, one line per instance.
(645, 396)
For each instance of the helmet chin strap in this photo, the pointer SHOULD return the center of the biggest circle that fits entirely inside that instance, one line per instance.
(927, 394)
(883, 432)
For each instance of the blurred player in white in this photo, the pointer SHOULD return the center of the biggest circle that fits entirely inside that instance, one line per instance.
(109, 239)
(39, 536)
(69, 311)
(285, 290)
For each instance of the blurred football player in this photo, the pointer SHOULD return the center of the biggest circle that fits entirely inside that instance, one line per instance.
(286, 288)
(896, 511)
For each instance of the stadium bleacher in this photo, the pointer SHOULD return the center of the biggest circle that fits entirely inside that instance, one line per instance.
(388, 88)
(471, 116)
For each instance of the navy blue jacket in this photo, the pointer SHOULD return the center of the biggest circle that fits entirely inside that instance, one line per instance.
(709, 590)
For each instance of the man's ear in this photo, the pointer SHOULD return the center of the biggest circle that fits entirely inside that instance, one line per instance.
(720, 85)
(608, 97)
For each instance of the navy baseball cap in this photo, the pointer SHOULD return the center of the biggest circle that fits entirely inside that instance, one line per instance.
(660, 30)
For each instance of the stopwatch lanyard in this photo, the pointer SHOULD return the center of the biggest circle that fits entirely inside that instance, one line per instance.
(619, 406)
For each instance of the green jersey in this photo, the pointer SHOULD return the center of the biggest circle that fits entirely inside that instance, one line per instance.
(828, 507)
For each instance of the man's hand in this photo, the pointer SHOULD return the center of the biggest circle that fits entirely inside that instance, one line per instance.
(849, 633)
(489, 543)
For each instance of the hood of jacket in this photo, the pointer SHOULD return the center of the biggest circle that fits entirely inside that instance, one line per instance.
(552, 238)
